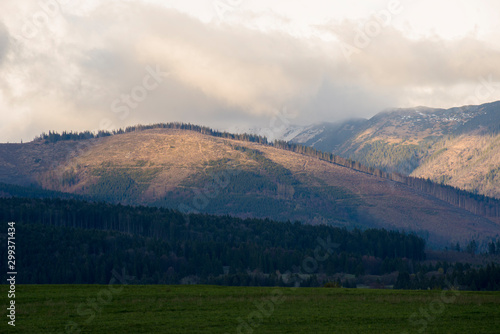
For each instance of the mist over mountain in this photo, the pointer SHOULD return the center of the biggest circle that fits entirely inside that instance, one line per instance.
(456, 146)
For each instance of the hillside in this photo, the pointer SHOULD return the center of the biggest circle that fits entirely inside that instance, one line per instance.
(457, 146)
(470, 162)
(195, 172)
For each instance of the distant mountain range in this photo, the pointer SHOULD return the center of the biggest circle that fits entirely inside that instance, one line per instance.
(458, 146)
(197, 171)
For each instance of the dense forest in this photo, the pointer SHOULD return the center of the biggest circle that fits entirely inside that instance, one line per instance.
(72, 241)
(452, 276)
(477, 204)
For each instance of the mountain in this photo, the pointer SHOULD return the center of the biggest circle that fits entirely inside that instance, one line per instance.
(457, 146)
(470, 158)
(325, 136)
(329, 137)
(197, 172)
(284, 132)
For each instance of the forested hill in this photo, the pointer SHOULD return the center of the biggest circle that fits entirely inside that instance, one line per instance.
(459, 147)
(194, 170)
(71, 241)
(477, 204)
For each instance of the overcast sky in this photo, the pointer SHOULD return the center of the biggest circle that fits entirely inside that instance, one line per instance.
(77, 65)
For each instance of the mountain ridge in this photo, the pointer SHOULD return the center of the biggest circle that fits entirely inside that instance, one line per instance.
(408, 140)
(171, 167)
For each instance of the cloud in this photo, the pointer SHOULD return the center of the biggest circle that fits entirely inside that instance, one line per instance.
(392, 59)
(79, 69)
(426, 71)
(213, 70)
(4, 42)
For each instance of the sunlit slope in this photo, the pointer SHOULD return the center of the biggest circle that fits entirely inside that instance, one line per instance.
(195, 172)
(458, 147)
(470, 162)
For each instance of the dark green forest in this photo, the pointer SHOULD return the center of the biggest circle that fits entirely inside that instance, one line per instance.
(446, 275)
(73, 241)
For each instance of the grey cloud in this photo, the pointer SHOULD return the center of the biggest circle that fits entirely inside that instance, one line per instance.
(4, 41)
(391, 59)
(222, 75)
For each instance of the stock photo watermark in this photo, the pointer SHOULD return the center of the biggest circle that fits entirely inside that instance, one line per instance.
(139, 93)
(483, 91)
(48, 10)
(266, 307)
(224, 7)
(420, 320)
(221, 179)
(310, 264)
(263, 310)
(93, 307)
(278, 123)
(371, 29)
(202, 196)
(11, 272)
(121, 107)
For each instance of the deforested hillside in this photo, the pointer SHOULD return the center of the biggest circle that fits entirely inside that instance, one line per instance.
(457, 146)
(197, 172)
(469, 161)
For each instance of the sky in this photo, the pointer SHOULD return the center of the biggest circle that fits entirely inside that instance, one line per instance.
(103, 64)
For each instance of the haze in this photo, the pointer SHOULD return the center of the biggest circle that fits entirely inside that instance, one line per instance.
(70, 65)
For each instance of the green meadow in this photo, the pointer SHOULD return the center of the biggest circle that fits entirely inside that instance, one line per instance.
(216, 309)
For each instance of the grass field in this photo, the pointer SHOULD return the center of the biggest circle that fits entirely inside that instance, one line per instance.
(213, 309)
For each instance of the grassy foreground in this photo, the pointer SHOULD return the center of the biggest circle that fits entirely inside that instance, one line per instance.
(213, 309)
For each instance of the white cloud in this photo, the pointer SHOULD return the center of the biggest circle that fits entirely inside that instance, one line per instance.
(261, 58)
(4, 42)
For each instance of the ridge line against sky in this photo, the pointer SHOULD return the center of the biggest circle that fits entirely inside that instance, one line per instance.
(79, 65)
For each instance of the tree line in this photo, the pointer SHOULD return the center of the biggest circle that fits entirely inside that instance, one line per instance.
(451, 276)
(478, 204)
(73, 241)
(475, 203)
(54, 136)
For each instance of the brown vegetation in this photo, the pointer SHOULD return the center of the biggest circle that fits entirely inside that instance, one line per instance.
(164, 160)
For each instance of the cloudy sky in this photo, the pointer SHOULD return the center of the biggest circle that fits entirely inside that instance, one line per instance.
(77, 65)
